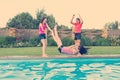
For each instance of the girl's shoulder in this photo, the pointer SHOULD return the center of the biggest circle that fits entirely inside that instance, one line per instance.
(40, 24)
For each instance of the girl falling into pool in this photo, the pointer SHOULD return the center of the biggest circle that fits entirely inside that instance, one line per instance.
(73, 49)
(77, 28)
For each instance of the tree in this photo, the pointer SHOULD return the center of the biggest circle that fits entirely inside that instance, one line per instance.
(50, 18)
(51, 21)
(39, 15)
(23, 20)
(116, 25)
(112, 25)
(26, 21)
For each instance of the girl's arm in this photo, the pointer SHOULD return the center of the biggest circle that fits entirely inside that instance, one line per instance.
(80, 18)
(48, 27)
(46, 31)
(72, 19)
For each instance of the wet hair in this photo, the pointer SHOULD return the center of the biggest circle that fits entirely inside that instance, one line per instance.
(78, 19)
(82, 50)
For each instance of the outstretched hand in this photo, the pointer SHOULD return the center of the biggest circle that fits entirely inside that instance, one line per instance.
(56, 24)
(73, 15)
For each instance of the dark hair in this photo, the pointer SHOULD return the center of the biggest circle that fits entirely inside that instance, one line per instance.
(82, 50)
(43, 19)
(78, 19)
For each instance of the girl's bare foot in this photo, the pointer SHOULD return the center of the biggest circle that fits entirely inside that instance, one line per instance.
(44, 55)
(78, 55)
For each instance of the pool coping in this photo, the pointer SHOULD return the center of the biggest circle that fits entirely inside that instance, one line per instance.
(60, 56)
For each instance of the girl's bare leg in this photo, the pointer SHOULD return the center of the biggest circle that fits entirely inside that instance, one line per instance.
(53, 35)
(78, 55)
(57, 36)
(77, 42)
(44, 43)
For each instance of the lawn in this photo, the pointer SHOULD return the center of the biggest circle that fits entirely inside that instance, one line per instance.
(36, 51)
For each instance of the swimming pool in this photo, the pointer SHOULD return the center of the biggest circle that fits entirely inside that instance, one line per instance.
(61, 69)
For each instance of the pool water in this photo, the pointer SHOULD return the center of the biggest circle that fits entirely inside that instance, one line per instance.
(61, 69)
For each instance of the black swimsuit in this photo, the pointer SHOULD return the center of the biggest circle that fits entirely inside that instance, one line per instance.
(60, 48)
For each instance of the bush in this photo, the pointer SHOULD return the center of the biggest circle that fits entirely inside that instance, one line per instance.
(34, 41)
(86, 41)
(7, 41)
(10, 40)
(100, 41)
(67, 41)
(2, 40)
(51, 42)
(114, 41)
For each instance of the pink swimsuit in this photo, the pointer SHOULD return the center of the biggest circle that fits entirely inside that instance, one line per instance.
(42, 29)
(66, 50)
(78, 27)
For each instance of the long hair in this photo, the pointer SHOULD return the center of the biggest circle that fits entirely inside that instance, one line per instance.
(82, 50)
(43, 19)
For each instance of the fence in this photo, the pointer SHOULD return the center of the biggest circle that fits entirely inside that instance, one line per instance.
(28, 33)
(23, 33)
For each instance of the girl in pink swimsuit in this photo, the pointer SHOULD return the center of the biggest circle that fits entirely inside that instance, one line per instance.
(42, 35)
(73, 49)
(77, 28)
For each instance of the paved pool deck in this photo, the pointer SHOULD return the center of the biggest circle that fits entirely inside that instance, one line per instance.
(60, 56)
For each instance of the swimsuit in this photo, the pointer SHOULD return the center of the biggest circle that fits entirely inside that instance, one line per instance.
(66, 50)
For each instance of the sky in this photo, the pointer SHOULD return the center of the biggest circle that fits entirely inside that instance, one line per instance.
(95, 13)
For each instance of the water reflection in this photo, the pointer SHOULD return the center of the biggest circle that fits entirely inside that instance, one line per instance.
(60, 70)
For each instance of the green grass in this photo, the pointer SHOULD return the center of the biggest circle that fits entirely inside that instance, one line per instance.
(37, 51)
(104, 50)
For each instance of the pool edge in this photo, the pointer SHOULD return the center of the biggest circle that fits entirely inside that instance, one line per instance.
(60, 56)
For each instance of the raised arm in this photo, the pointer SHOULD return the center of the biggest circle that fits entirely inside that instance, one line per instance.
(72, 19)
(80, 18)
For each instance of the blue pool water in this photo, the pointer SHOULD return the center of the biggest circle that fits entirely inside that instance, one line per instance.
(61, 69)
